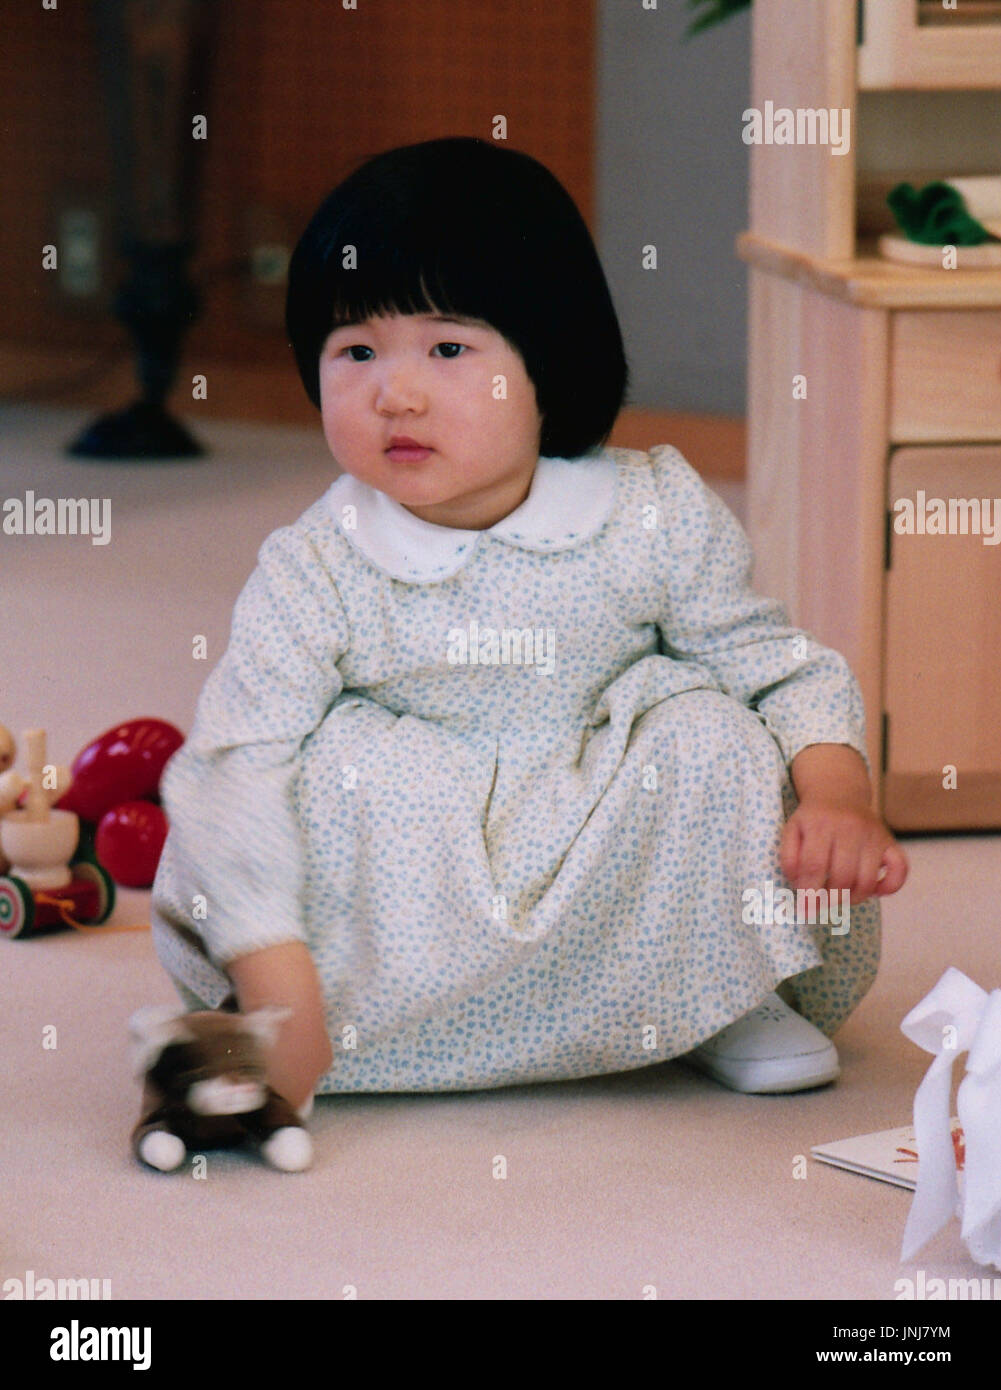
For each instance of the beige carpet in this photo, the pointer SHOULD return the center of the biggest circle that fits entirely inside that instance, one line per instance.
(655, 1178)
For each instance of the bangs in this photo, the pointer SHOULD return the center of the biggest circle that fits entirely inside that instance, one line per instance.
(394, 255)
(389, 287)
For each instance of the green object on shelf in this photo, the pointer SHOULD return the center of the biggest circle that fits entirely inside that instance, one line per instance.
(936, 216)
(714, 12)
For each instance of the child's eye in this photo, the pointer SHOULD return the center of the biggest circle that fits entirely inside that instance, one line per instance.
(460, 346)
(358, 347)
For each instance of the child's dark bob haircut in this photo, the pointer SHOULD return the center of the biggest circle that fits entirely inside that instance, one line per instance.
(460, 225)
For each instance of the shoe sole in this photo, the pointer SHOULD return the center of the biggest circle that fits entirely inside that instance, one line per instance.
(741, 1076)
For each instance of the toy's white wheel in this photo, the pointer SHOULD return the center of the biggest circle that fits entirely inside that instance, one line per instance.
(105, 884)
(17, 907)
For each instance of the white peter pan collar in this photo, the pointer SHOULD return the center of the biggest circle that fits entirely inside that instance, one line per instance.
(568, 502)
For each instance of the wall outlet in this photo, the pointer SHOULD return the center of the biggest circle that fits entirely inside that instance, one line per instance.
(79, 249)
(269, 263)
(80, 227)
(267, 242)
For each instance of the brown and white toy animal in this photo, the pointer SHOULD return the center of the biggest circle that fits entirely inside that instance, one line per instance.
(206, 1073)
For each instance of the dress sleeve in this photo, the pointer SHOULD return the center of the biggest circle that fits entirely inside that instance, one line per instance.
(804, 692)
(234, 843)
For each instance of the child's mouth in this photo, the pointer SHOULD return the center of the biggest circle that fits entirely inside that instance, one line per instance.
(408, 453)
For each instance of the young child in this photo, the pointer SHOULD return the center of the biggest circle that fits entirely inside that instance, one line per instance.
(502, 744)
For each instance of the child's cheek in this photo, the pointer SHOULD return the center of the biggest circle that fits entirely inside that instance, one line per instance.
(336, 399)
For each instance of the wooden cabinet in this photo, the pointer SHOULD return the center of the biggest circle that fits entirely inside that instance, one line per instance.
(870, 382)
(925, 43)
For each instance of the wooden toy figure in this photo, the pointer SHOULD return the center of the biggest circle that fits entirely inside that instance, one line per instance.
(40, 880)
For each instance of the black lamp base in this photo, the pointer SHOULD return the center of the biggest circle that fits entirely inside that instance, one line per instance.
(141, 431)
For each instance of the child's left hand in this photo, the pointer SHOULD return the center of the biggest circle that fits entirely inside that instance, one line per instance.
(829, 844)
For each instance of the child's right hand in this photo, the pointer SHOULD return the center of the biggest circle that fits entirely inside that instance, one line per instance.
(285, 975)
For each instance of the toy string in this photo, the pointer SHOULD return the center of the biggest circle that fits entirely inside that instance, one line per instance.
(63, 903)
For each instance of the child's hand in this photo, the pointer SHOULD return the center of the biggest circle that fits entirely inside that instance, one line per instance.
(834, 839)
(836, 845)
(285, 975)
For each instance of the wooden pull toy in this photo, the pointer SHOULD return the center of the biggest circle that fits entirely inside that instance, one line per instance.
(40, 882)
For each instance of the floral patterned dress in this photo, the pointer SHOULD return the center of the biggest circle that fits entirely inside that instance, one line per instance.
(511, 786)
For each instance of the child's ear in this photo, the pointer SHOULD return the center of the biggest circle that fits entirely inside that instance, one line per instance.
(265, 1023)
(152, 1029)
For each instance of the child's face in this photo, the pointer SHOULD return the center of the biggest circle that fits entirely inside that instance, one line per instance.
(433, 380)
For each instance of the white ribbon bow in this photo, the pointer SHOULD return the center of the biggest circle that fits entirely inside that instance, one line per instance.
(958, 1016)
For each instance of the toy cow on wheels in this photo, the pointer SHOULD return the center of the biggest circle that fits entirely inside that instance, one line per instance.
(206, 1075)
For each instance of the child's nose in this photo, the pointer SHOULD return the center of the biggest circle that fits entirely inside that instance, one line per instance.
(399, 388)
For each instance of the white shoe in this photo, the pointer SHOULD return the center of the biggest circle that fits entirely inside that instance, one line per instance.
(769, 1050)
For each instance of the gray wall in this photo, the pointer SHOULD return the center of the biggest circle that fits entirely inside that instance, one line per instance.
(672, 171)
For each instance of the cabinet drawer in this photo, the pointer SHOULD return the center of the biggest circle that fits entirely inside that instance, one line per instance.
(945, 374)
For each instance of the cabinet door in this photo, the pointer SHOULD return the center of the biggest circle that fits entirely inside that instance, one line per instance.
(921, 44)
(942, 685)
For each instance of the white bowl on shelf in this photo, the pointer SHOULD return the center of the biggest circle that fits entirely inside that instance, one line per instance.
(987, 256)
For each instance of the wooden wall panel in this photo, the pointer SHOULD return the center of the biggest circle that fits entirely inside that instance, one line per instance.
(301, 91)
